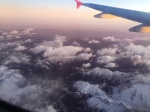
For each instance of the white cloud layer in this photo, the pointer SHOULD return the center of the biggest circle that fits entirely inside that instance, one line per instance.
(16, 89)
(111, 65)
(27, 32)
(17, 58)
(138, 54)
(105, 59)
(107, 51)
(87, 49)
(102, 72)
(107, 56)
(87, 65)
(94, 42)
(76, 44)
(28, 41)
(55, 50)
(84, 56)
(131, 93)
(99, 99)
(130, 96)
(20, 48)
(14, 32)
(137, 97)
(61, 53)
(111, 39)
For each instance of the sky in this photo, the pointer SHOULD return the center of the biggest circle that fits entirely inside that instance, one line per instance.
(62, 14)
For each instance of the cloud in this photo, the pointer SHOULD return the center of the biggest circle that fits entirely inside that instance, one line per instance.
(126, 40)
(137, 49)
(141, 79)
(42, 63)
(84, 56)
(94, 42)
(137, 97)
(87, 49)
(17, 58)
(55, 50)
(18, 37)
(28, 41)
(141, 39)
(4, 33)
(12, 44)
(136, 59)
(133, 95)
(10, 82)
(87, 65)
(38, 49)
(20, 48)
(49, 108)
(61, 53)
(27, 32)
(86, 39)
(107, 51)
(106, 74)
(113, 39)
(1, 37)
(100, 72)
(111, 65)
(29, 29)
(76, 44)
(59, 41)
(135, 39)
(138, 54)
(16, 44)
(2, 46)
(106, 90)
(18, 90)
(8, 37)
(107, 56)
(105, 59)
(14, 32)
(17, 34)
(108, 105)
(98, 99)
(87, 88)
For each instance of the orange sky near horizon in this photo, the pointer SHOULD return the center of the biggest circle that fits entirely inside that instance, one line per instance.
(58, 18)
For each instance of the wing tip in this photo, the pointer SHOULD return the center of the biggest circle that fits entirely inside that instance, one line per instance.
(79, 3)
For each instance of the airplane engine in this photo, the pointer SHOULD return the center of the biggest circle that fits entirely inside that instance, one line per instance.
(141, 28)
(105, 16)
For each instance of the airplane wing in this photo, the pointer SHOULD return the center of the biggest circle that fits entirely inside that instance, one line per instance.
(111, 12)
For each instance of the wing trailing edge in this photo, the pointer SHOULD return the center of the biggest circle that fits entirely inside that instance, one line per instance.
(105, 16)
(140, 28)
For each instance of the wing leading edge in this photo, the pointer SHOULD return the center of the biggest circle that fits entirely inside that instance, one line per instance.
(138, 16)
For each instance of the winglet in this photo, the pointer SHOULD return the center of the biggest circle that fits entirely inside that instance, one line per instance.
(78, 3)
